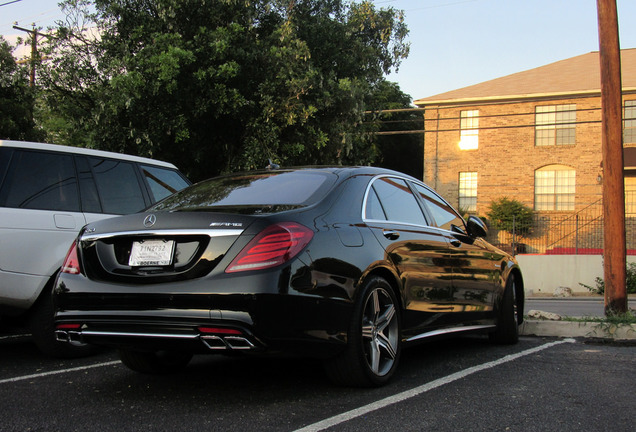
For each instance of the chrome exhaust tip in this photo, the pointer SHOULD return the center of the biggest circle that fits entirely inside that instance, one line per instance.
(238, 343)
(61, 336)
(214, 342)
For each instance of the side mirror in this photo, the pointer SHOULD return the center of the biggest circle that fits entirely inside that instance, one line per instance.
(476, 227)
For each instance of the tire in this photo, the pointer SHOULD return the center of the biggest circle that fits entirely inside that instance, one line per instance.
(154, 362)
(507, 331)
(42, 328)
(373, 345)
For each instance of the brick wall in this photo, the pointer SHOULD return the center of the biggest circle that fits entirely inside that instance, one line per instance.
(507, 157)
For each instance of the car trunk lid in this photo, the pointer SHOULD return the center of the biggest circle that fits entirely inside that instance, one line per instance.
(159, 247)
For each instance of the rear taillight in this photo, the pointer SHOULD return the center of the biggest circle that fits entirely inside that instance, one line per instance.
(273, 246)
(71, 262)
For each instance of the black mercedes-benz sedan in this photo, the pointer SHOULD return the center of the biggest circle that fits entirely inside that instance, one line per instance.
(348, 264)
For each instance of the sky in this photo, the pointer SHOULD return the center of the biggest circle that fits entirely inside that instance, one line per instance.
(454, 43)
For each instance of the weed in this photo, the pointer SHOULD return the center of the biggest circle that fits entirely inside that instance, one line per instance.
(618, 319)
(630, 282)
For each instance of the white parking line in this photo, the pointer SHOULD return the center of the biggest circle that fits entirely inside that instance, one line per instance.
(16, 336)
(57, 372)
(344, 417)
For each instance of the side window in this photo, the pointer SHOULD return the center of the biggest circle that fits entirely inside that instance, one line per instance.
(88, 189)
(118, 186)
(373, 209)
(40, 180)
(5, 157)
(397, 201)
(162, 181)
(443, 214)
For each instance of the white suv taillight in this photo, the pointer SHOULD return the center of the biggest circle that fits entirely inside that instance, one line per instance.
(71, 262)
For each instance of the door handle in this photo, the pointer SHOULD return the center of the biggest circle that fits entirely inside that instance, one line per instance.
(391, 235)
(456, 243)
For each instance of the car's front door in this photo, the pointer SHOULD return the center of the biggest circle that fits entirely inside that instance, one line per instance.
(475, 268)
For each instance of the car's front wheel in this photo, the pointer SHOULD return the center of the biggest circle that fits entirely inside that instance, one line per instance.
(155, 362)
(373, 348)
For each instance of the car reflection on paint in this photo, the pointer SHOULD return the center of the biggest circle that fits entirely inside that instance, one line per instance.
(348, 264)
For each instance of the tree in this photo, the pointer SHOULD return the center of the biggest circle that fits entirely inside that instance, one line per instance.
(223, 85)
(401, 152)
(17, 99)
(510, 215)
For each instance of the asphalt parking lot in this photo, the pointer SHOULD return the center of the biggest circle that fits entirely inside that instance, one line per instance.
(541, 384)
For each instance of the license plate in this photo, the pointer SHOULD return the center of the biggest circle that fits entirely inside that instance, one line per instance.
(151, 253)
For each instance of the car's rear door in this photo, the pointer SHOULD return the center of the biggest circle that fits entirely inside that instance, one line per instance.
(39, 218)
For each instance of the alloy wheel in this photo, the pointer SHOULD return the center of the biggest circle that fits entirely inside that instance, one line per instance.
(380, 331)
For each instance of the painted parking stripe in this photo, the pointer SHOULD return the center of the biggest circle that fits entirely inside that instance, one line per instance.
(15, 336)
(57, 372)
(349, 415)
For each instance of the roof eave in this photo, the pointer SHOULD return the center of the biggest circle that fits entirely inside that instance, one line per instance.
(514, 97)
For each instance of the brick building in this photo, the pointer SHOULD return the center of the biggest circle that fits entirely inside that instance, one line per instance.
(534, 136)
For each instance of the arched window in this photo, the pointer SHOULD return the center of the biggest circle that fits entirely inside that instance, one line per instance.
(554, 188)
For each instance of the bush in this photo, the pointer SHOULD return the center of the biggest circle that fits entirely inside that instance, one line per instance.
(630, 282)
(510, 215)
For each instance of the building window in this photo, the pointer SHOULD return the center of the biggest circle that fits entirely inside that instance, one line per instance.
(555, 125)
(630, 196)
(554, 188)
(469, 127)
(467, 192)
(629, 122)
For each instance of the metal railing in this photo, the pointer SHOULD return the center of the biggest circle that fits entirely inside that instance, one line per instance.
(578, 234)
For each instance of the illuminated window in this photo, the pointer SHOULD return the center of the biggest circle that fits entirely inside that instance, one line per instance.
(467, 191)
(469, 127)
(554, 188)
(555, 125)
(630, 196)
(629, 122)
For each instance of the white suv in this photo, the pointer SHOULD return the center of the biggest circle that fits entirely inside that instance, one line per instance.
(47, 193)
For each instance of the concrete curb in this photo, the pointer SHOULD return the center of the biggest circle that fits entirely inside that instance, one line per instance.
(592, 330)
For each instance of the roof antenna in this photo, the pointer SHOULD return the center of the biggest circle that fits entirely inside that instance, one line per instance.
(272, 165)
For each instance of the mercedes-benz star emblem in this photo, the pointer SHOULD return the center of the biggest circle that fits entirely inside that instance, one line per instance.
(150, 220)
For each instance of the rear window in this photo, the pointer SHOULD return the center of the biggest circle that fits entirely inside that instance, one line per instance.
(260, 192)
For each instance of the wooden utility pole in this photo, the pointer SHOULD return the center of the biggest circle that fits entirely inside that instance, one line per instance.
(34, 33)
(613, 177)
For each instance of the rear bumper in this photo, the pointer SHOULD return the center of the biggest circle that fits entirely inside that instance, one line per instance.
(159, 339)
(18, 291)
(243, 322)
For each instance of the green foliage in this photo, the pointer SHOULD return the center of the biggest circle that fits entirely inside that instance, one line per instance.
(17, 99)
(401, 152)
(509, 214)
(222, 85)
(630, 281)
(611, 320)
